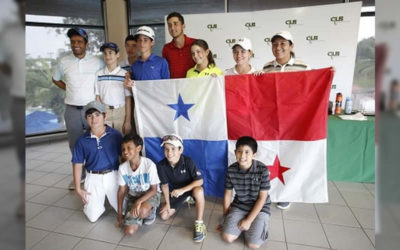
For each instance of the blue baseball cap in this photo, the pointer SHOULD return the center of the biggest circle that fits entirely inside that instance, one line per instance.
(77, 32)
(112, 46)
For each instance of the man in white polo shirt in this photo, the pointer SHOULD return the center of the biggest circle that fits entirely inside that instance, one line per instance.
(75, 73)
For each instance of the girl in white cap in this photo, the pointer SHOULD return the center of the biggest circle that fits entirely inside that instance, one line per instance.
(282, 49)
(242, 52)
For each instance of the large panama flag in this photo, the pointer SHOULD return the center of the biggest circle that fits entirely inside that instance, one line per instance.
(285, 112)
(195, 110)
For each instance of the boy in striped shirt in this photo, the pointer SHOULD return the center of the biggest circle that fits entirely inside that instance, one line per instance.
(109, 90)
(249, 211)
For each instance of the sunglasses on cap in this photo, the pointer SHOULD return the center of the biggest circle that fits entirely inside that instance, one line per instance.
(172, 138)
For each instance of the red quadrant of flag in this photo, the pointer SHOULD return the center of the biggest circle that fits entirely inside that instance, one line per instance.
(279, 106)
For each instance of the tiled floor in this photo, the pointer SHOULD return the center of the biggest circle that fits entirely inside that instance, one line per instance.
(54, 218)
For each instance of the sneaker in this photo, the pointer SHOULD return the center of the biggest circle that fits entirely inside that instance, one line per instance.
(200, 232)
(189, 201)
(283, 205)
(71, 186)
(151, 218)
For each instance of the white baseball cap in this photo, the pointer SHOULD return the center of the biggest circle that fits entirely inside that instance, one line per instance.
(284, 34)
(173, 139)
(145, 30)
(243, 42)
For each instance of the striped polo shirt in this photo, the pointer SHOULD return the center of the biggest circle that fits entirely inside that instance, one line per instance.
(248, 184)
(292, 65)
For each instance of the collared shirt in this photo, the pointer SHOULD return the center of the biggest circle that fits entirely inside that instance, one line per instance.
(179, 176)
(110, 86)
(232, 71)
(154, 68)
(140, 180)
(211, 69)
(248, 184)
(125, 65)
(78, 76)
(179, 59)
(98, 153)
(291, 65)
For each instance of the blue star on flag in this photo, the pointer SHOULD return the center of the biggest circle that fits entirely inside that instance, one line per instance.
(181, 108)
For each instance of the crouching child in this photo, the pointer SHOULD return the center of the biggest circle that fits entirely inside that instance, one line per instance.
(138, 176)
(249, 211)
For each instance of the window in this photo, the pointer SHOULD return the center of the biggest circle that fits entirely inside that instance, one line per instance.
(46, 42)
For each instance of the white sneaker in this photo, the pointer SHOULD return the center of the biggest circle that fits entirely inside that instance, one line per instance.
(189, 201)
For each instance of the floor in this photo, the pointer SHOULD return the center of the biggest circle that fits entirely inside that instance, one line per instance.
(54, 218)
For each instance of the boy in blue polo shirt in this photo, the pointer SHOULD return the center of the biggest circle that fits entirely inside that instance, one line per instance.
(250, 210)
(99, 149)
(181, 174)
(148, 66)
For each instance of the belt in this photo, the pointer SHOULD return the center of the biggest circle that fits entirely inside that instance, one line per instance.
(77, 107)
(100, 172)
(115, 107)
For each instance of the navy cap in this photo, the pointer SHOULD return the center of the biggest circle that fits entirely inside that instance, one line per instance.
(112, 46)
(77, 31)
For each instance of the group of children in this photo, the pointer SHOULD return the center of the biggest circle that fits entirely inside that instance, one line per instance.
(134, 187)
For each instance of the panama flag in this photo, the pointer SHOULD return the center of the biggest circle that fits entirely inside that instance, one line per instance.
(195, 110)
(285, 112)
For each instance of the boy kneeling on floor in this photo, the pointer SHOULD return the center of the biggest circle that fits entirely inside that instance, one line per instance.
(139, 175)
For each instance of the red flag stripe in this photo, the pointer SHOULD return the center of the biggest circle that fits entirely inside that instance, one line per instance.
(279, 106)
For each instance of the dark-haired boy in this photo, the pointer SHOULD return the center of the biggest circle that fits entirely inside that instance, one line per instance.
(139, 175)
(250, 210)
(177, 52)
(181, 173)
(99, 148)
(131, 53)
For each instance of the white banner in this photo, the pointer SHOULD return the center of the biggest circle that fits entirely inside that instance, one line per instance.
(324, 36)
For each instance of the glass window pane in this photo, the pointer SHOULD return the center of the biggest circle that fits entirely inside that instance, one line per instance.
(153, 11)
(72, 11)
(45, 101)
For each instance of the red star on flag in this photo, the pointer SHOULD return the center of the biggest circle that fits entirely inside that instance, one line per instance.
(277, 170)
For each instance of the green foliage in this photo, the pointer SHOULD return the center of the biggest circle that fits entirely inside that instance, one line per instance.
(40, 90)
(364, 71)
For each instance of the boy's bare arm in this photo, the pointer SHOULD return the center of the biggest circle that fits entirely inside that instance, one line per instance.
(227, 201)
(121, 195)
(128, 115)
(178, 192)
(59, 84)
(150, 193)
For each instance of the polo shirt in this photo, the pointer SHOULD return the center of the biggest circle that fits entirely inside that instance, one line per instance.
(179, 176)
(179, 59)
(79, 77)
(98, 153)
(232, 71)
(154, 68)
(193, 72)
(248, 184)
(125, 65)
(110, 86)
(291, 65)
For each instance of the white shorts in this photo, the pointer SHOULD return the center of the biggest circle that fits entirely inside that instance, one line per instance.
(99, 186)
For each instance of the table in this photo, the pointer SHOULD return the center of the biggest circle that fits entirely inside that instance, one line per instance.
(351, 150)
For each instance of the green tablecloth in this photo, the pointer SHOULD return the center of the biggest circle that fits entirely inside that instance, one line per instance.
(351, 150)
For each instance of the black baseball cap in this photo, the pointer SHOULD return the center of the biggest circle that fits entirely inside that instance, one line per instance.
(77, 31)
(112, 46)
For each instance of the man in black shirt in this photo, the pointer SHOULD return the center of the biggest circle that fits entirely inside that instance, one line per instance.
(181, 174)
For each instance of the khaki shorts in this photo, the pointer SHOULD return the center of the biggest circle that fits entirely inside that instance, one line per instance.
(154, 201)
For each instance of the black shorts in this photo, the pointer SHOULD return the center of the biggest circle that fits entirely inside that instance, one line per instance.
(177, 202)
